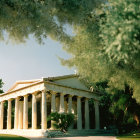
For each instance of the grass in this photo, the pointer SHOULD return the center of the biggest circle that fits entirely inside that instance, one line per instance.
(133, 136)
(11, 137)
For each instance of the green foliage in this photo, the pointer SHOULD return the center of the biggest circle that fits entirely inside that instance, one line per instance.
(120, 110)
(1, 84)
(62, 121)
(41, 18)
(120, 34)
(107, 42)
(106, 35)
(11, 137)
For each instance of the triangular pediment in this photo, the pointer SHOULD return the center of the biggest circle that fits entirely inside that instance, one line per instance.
(71, 81)
(22, 84)
(68, 81)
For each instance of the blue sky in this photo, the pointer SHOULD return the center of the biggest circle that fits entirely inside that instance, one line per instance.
(31, 60)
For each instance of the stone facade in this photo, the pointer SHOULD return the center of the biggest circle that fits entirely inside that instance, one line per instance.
(61, 94)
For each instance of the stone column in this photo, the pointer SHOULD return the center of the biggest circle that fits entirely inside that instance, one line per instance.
(86, 114)
(70, 104)
(74, 108)
(65, 106)
(34, 111)
(61, 103)
(25, 113)
(44, 111)
(70, 109)
(1, 114)
(97, 117)
(53, 107)
(20, 120)
(57, 104)
(79, 115)
(9, 114)
(16, 113)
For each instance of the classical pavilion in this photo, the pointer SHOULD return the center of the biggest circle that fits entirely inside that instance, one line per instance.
(40, 97)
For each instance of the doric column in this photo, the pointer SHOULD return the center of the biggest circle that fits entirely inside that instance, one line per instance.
(97, 117)
(20, 120)
(57, 105)
(70, 110)
(9, 114)
(44, 111)
(70, 104)
(61, 103)
(79, 115)
(74, 108)
(86, 114)
(34, 111)
(25, 113)
(53, 108)
(65, 106)
(16, 113)
(1, 114)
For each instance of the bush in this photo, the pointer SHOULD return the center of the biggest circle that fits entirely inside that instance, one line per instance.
(62, 121)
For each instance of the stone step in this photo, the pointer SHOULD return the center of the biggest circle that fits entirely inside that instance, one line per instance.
(90, 132)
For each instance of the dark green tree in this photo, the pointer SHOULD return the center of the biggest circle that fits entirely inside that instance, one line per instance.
(1, 85)
(106, 40)
(107, 45)
(119, 110)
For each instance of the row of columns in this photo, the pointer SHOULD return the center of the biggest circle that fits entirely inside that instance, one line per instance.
(21, 111)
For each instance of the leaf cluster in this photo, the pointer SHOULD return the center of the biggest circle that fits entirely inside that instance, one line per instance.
(1, 85)
(62, 121)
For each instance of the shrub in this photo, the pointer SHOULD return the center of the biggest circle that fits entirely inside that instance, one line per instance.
(61, 121)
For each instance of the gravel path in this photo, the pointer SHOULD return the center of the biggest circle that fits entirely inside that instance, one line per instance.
(79, 138)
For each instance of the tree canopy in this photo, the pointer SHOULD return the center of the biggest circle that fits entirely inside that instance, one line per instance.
(108, 46)
(106, 40)
(1, 84)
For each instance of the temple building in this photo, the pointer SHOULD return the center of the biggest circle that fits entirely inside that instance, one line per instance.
(24, 108)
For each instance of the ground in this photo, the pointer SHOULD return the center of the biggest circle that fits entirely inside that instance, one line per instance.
(11, 137)
(129, 137)
(79, 138)
(126, 137)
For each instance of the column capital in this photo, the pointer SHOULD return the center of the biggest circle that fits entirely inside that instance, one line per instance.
(25, 95)
(2, 101)
(44, 90)
(34, 93)
(79, 96)
(17, 97)
(70, 95)
(86, 98)
(10, 99)
(62, 93)
(53, 92)
(96, 101)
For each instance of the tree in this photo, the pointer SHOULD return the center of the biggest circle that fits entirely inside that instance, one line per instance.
(107, 45)
(1, 84)
(120, 34)
(41, 18)
(118, 110)
(125, 110)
